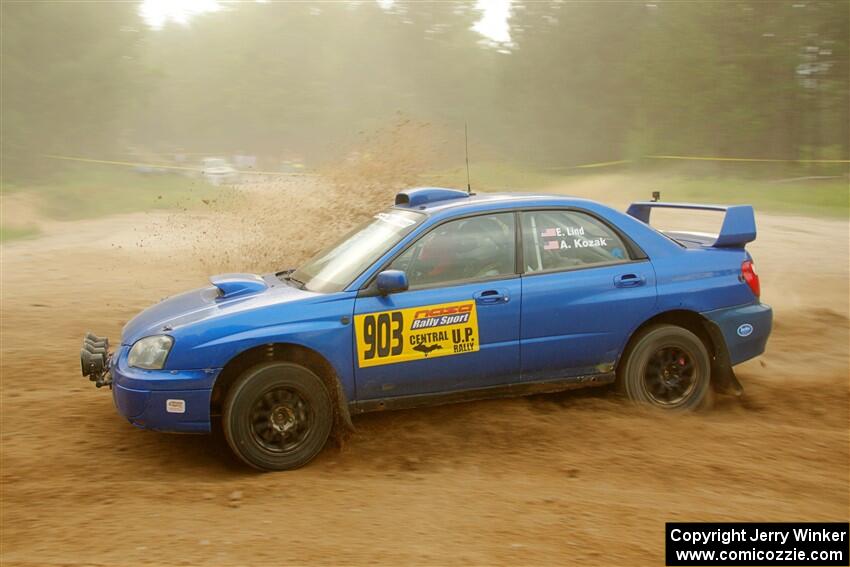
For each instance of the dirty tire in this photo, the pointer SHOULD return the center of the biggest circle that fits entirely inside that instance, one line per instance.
(277, 416)
(667, 367)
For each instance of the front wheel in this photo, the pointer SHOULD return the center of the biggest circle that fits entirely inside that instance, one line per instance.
(277, 416)
(667, 367)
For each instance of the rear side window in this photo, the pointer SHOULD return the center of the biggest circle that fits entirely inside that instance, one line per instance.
(559, 240)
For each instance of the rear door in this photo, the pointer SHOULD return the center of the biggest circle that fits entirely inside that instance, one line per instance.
(585, 287)
(457, 327)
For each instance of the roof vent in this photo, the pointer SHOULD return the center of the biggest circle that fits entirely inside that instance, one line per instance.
(426, 195)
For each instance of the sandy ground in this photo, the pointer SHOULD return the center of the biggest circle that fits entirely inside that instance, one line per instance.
(579, 479)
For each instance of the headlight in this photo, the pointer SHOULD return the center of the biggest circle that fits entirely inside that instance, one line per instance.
(150, 352)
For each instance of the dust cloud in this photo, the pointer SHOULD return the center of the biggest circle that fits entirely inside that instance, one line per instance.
(271, 224)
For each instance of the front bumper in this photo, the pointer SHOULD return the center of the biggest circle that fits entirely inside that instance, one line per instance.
(162, 400)
(745, 329)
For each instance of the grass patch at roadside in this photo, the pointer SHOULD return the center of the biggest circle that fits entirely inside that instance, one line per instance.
(815, 197)
(90, 192)
(494, 176)
(771, 191)
(8, 233)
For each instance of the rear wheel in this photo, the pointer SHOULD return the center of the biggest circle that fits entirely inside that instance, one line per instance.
(667, 367)
(277, 416)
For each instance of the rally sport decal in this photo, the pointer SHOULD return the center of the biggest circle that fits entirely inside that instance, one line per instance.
(416, 333)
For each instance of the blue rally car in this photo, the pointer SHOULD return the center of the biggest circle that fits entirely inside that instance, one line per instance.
(445, 297)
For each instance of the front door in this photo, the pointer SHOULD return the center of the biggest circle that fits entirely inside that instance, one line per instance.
(457, 327)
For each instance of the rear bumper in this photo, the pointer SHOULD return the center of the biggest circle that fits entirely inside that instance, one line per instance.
(745, 329)
(163, 400)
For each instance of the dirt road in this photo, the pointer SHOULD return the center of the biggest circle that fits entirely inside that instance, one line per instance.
(580, 479)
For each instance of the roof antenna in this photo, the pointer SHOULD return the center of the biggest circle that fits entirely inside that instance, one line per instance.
(466, 145)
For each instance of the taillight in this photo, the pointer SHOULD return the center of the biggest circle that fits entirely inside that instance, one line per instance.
(748, 273)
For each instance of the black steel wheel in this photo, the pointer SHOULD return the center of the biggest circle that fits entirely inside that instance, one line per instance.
(670, 376)
(281, 419)
(667, 367)
(277, 416)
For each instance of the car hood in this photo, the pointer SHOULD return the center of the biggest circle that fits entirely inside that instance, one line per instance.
(228, 294)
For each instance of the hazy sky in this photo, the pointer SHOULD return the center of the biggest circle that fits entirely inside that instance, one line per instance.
(494, 24)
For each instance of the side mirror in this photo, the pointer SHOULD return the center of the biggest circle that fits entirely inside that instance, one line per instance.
(391, 281)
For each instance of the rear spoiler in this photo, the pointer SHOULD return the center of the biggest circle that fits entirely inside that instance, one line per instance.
(739, 222)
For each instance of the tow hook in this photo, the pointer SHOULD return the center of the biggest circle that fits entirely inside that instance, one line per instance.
(95, 360)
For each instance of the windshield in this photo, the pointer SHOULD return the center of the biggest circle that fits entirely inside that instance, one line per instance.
(336, 266)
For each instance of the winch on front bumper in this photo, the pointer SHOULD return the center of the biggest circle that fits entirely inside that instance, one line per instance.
(164, 400)
(95, 360)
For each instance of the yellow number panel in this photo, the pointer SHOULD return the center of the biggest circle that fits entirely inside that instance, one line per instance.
(429, 331)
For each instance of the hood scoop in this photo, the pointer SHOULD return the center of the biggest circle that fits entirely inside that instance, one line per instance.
(238, 285)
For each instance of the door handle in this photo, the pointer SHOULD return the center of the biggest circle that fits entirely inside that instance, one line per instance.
(629, 280)
(491, 296)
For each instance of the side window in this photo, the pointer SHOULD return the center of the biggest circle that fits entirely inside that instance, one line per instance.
(466, 249)
(558, 240)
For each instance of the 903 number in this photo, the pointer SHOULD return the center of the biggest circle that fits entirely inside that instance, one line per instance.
(382, 334)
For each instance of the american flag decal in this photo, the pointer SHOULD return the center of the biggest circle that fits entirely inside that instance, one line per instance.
(549, 233)
(551, 245)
